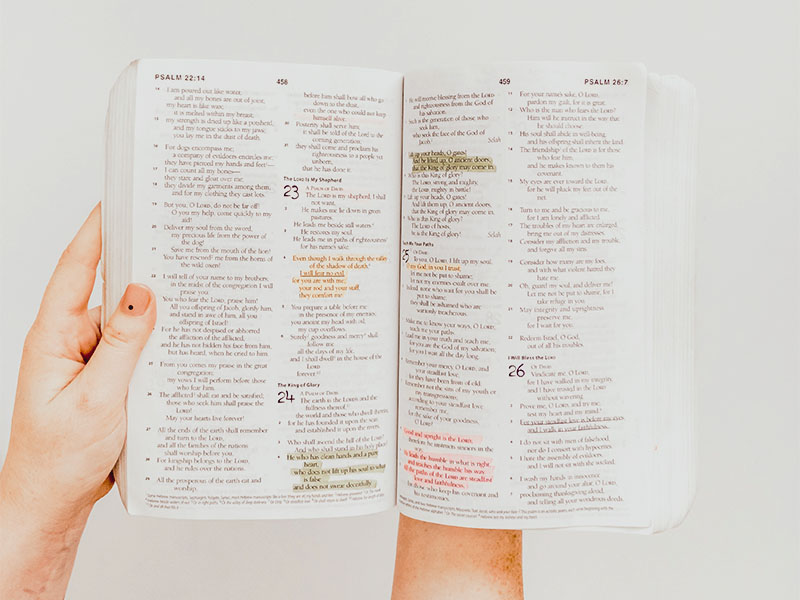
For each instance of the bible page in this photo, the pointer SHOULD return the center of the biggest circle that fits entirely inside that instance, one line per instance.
(265, 218)
(522, 328)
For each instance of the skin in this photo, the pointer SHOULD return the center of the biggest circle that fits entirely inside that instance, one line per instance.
(69, 420)
(69, 426)
(456, 563)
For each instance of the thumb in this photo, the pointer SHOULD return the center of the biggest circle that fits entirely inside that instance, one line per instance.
(109, 370)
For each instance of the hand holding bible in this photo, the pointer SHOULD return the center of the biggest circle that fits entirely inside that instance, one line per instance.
(69, 417)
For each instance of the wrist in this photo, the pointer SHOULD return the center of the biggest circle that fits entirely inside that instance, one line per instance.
(442, 562)
(38, 500)
(39, 541)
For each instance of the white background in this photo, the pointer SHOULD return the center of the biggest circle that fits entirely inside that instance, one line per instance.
(59, 59)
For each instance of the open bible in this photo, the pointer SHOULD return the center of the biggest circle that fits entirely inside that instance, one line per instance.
(466, 291)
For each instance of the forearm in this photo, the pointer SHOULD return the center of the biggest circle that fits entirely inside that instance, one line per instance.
(37, 551)
(436, 561)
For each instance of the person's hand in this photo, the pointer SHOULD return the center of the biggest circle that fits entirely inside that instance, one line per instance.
(456, 563)
(69, 418)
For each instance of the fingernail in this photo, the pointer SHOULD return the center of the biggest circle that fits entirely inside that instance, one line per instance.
(135, 300)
